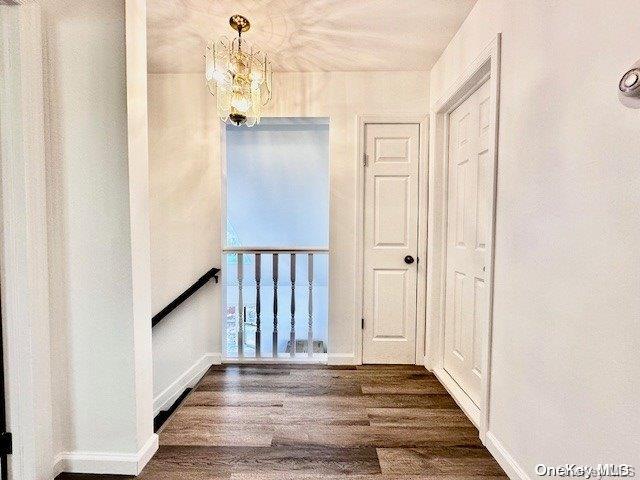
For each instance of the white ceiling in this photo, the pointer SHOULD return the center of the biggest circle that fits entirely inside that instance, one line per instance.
(308, 35)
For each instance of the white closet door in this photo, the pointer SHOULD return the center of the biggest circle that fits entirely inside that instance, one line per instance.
(468, 226)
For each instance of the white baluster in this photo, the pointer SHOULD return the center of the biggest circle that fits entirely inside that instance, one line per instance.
(275, 305)
(240, 307)
(292, 335)
(310, 330)
(258, 275)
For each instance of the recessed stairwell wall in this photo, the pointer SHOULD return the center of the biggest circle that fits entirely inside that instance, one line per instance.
(184, 173)
(185, 191)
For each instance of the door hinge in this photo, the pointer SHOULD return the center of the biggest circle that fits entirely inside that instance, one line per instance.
(6, 443)
(365, 159)
(362, 325)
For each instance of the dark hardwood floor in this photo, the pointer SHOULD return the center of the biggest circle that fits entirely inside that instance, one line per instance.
(277, 422)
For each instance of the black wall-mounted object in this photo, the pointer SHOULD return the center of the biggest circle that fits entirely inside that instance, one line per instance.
(211, 274)
(164, 415)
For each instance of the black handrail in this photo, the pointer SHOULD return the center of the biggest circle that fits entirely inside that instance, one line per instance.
(213, 273)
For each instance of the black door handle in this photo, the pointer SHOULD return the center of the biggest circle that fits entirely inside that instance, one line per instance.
(409, 259)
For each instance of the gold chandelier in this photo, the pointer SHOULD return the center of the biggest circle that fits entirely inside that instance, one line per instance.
(239, 76)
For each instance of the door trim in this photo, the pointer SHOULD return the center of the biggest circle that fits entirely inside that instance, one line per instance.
(485, 66)
(423, 122)
(25, 285)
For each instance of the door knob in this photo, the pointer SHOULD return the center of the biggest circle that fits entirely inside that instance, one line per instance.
(408, 259)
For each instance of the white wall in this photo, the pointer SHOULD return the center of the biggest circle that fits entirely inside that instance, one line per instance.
(565, 362)
(184, 171)
(98, 243)
(341, 96)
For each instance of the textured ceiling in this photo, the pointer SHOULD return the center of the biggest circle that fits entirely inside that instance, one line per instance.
(308, 35)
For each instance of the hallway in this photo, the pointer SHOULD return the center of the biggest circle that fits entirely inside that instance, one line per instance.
(282, 422)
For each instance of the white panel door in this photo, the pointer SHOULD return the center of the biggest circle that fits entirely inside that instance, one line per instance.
(468, 225)
(390, 235)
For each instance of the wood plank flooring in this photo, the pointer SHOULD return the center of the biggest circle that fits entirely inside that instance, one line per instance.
(276, 422)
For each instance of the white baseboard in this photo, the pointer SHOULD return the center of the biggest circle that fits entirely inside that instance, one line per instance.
(106, 462)
(504, 458)
(341, 359)
(469, 408)
(169, 395)
(132, 464)
(513, 470)
(147, 452)
(426, 362)
(319, 358)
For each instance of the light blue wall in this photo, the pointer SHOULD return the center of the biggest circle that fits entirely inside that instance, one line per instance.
(278, 183)
(278, 195)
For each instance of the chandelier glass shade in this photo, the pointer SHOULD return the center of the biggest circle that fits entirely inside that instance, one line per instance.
(239, 76)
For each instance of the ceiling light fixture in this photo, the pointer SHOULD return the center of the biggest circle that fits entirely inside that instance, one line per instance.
(239, 76)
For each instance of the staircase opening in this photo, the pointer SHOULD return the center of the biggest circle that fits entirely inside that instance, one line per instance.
(277, 236)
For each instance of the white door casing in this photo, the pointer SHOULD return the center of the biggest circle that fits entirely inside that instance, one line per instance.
(468, 231)
(390, 235)
(24, 270)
